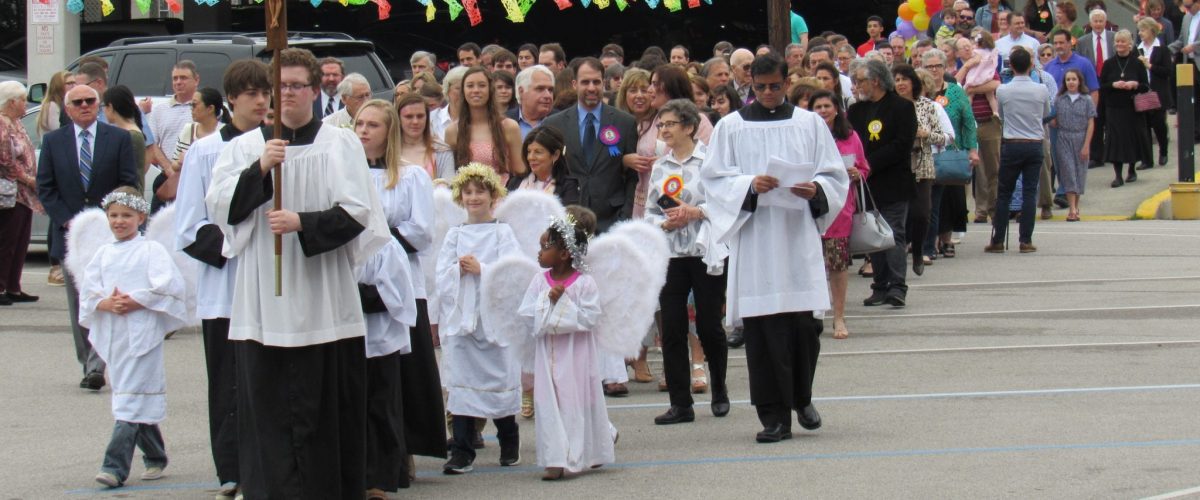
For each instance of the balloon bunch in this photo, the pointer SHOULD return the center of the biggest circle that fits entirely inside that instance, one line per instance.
(914, 16)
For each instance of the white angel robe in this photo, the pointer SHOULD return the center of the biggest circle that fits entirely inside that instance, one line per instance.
(320, 301)
(408, 208)
(197, 234)
(131, 343)
(573, 430)
(776, 261)
(388, 271)
(481, 373)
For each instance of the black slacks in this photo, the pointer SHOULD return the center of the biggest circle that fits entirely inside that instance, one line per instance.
(781, 355)
(684, 275)
(302, 420)
(222, 397)
(386, 453)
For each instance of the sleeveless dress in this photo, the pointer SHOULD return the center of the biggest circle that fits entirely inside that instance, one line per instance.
(485, 152)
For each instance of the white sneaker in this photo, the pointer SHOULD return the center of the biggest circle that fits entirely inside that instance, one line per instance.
(152, 474)
(108, 480)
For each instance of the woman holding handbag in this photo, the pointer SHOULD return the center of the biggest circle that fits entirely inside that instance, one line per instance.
(1122, 78)
(1157, 59)
(930, 134)
(948, 201)
(18, 193)
(836, 239)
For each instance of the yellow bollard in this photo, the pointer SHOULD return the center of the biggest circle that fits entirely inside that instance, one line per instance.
(1185, 201)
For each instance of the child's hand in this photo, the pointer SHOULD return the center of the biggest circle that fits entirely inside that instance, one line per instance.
(1083, 153)
(556, 293)
(106, 305)
(468, 265)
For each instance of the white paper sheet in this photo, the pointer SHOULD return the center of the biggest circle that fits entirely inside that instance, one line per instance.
(789, 174)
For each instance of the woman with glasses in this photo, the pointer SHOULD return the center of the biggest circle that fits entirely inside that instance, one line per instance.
(675, 202)
(948, 203)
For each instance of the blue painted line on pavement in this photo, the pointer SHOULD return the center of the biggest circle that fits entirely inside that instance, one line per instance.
(750, 459)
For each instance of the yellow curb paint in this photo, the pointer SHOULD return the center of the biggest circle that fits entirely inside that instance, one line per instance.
(1148, 209)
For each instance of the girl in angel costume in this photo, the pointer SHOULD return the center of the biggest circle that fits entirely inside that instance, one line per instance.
(574, 312)
(482, 376)
(131, 295)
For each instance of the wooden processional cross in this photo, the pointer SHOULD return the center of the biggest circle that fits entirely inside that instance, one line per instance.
(277, 40)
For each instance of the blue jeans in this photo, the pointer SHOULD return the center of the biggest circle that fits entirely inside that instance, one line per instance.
(1022, 159)
(125, 436)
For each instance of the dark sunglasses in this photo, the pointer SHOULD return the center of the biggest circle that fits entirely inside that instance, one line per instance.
(775, 87)
(86, 100)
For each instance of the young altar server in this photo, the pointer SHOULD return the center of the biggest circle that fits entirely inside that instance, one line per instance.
(776, 262)
(479, 371)
(248, 88)
(406, 195)
(299, 355)
(573, 430)
(131, 296)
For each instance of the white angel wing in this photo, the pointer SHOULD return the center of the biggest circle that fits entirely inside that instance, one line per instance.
(652, 242)
(528, 212)
(447, 214)
(502, 288)
(629, 280)
(162, 230)
(89, 231)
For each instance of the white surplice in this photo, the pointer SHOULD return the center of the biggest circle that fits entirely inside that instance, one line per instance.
(776, 261)
(214, 288)
(573, 430)
(320, 301)
(480, 371)
(389, 273)
(131, 343)
(408, 207)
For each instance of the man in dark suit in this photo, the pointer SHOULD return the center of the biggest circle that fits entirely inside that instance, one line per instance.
(79, 164)
(1188, 44)
(601, 148)
(1097, 37)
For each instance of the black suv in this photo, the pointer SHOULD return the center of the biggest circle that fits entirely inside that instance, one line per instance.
(144, 63)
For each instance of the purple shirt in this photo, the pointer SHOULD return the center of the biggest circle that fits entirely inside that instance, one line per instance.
(1058, 69)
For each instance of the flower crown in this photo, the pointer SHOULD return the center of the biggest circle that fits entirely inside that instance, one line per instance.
(565, 227)
(132, 201)
(481, 173)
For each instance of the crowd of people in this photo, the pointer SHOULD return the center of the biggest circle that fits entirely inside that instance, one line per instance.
(330, 390)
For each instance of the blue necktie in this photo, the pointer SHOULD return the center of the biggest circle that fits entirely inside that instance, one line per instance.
(589, 136)
(85, 159)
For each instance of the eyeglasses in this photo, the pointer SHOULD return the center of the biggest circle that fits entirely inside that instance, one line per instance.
(775, 87)
(746, 67)
(935, 66)
(966, 18)
(666, 124)
(87, 101)
(362, 96)
(294, 87)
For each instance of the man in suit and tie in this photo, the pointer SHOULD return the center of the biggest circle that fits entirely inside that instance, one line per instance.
(1097, 46)
(79, 164)
(1188, 44)
(601, 148)
(333, 70)
(535, 98)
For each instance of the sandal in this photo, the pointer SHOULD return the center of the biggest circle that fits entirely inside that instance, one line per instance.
(948, 250)
(527, 404)
(839, 330)
(866, 270)
(699, 382)
(662, 384)
(641, 372)
(376, 494)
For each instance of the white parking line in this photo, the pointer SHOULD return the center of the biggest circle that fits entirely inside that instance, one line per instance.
(1054, 282)
(1089, 233)
(1020, 311)
(1001, 348)
(1175, 494)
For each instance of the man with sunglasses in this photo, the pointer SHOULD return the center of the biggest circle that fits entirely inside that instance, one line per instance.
(776, 265)
(739, 62)
(78, 166)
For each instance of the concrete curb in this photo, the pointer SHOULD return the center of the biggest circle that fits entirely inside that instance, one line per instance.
(1154, 207)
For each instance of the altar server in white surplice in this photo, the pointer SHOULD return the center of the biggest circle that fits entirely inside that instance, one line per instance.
(130, 297)
(776, 264)
(300, 356)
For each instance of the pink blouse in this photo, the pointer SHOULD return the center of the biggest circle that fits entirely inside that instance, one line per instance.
(17, 161)
(841, 225)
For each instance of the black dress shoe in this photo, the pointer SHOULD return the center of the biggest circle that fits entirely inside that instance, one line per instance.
(719, 404)
(676, 415)
(21, 297)
(83, 384)
(1132, 177)
(1145, 166)
(737, 338)
(894, 299)
(773, 434)
(1162, 159)
(1060, 201)
(919, 268)
(95, 381)
(876, 298)
(1116, 183)
(4, 300)
(809, 418)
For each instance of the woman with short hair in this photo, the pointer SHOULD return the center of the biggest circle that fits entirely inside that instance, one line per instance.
(18, 193)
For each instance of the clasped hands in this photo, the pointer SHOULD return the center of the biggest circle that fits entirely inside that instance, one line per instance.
(118, 303)
(681, 215)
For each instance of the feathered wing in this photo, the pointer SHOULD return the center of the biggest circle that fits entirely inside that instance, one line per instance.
(501, 291)
(651, 241)
(447, 214)
(89, 231)
(162, 230)
(629, 280)
(528, 212)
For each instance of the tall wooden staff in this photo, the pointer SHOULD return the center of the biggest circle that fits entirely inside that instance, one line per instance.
(277, 40)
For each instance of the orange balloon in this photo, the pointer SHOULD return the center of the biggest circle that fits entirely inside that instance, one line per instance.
(905, 12)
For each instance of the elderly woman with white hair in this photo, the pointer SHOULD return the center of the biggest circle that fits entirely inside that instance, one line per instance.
(18, 193)
(1127, 139)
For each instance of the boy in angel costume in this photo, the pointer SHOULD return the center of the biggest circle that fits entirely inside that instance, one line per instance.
(479, 371)
(132, 294)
